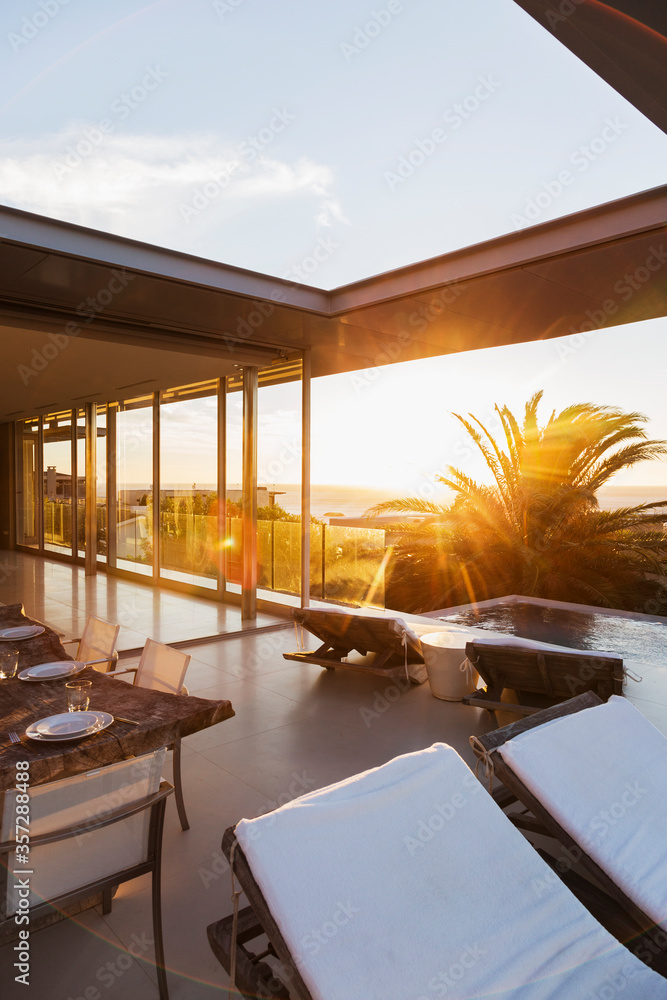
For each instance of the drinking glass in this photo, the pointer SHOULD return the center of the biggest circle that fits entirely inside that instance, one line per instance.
(9, 661)
(78, 695)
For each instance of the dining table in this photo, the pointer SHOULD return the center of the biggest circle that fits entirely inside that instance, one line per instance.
(143, 719)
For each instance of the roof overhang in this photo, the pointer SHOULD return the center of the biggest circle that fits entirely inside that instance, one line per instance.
(623, 41)
(137, 314)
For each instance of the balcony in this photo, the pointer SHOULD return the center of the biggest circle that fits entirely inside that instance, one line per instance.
(296, 728)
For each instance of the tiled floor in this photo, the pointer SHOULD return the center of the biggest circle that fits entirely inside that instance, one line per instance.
(63, 596)
(296, 728)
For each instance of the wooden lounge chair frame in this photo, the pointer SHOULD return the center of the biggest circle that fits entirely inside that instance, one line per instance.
(254, 977)
(541, 677)
(606, 900)
(398, 653)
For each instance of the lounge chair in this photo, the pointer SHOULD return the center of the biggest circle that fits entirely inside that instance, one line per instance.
(593, 775)
(407, 881)
(540, 674)
(377, 645)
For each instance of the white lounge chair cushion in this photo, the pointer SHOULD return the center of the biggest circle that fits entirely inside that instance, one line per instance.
(602, 773)
(407, 882)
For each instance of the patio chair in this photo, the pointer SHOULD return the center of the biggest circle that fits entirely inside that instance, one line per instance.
(591, 774)
(97, 644)
(88, 834)
(163, 668)
(538, 675)
(394, 649)
(408, 881)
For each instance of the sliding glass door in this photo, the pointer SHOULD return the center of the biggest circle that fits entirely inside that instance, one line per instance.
(134, 485)
(28, 490)
(58, 487)
(169, 484)
(189, 543)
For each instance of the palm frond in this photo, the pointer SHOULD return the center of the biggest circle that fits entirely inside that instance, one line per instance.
(405, 505)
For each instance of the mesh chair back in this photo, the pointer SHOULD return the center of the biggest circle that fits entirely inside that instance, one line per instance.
(162, 668)
(98, 641)
(67, 865)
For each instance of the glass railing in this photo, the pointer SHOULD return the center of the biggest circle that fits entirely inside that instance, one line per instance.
(346, 564)
(57, 524)
(101, 531)
(188, 547)
(279, 556)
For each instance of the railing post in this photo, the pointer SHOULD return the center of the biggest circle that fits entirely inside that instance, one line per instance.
(324, 571)
(273, 555)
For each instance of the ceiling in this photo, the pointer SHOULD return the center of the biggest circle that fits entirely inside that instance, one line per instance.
(142, 318)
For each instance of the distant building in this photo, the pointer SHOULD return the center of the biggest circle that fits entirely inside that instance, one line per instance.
(58, 485)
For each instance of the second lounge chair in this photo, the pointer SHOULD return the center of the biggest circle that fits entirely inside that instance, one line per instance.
(593, 775)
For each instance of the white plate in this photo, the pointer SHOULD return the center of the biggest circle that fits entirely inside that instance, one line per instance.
(21, 632)
(68, 726)
(52, 671)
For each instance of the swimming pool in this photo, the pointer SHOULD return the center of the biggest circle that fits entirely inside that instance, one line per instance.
(634, 638)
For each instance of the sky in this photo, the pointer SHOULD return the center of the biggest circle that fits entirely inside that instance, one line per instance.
(252, 132)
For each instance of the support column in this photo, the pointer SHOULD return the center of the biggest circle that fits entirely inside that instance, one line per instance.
(222, 487)
(249, 574)
(90, 411)
(74, 481)
(305, 480)
(40, 486)
(156, 487)
(112, 492)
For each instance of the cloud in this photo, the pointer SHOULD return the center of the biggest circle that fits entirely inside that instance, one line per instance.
(138, 185)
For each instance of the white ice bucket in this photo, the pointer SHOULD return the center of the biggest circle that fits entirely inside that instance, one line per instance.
(450, 674)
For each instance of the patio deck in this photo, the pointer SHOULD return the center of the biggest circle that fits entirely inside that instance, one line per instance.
(296, 728)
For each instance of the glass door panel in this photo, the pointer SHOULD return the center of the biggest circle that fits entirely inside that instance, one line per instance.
(27, 489)
(58, 488)
(81, 482)
(101, 483)
(134, 485)
(279, 481)
(188, 488)
(234, 450)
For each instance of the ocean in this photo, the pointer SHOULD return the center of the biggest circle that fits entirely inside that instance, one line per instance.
(351, 501)
(354, 501)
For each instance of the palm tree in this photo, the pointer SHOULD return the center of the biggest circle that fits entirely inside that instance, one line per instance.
(537, 530)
